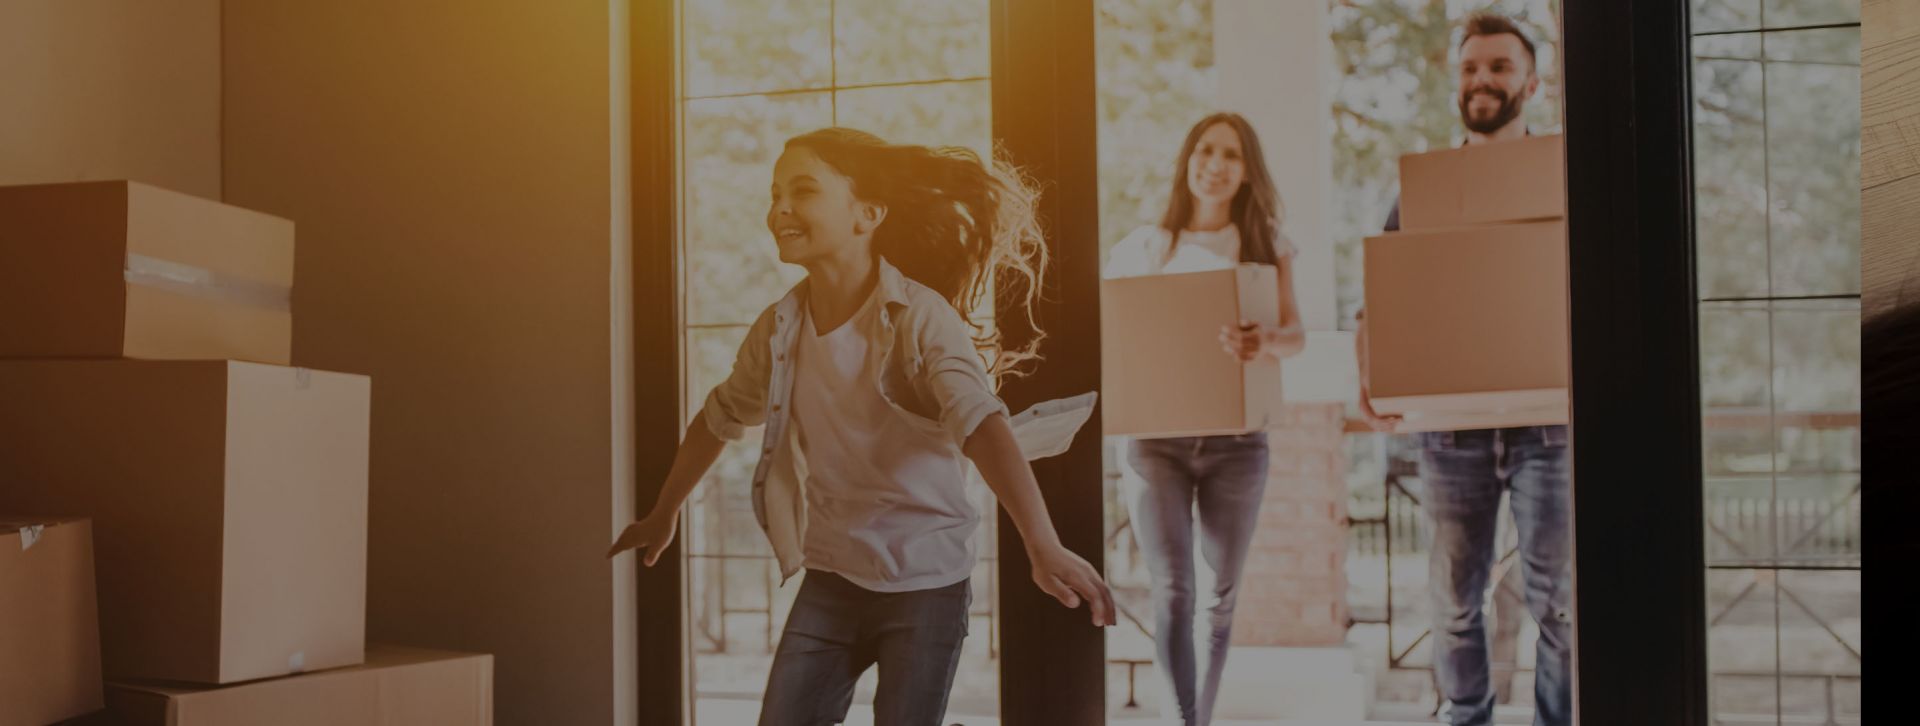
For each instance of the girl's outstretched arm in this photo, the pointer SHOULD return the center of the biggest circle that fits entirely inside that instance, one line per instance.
(690, 464)
(738, 402)
(1057, 570)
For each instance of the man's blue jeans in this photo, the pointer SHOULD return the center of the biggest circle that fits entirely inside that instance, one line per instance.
(1464, 474)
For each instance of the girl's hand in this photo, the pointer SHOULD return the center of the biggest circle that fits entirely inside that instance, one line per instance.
(654, 533)
(1246, 341)
(1070, 579)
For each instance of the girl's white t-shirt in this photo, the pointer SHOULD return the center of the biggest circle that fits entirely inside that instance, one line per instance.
(887, 505)
(1144, 252)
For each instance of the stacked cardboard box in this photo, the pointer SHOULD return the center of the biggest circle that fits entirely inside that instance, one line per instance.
(1163, 370)
(122, 269)
(48, 632)
(394, 687)
(144, 384)
(1467, 304)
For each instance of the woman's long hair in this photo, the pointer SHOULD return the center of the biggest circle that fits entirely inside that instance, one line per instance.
(1256, 206)
(955, 223)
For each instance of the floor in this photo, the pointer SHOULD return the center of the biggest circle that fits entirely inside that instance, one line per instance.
(1890, 153)
(737, 712)
(734, 713)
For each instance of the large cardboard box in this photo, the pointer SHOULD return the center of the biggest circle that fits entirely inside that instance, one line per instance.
(49, 629)
(1467, 328)
(1164, 372)
(395, 687)
(112, 269)
(229, 501)
(1506, 181)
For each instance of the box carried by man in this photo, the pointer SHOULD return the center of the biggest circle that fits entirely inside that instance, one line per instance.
(1467, 305)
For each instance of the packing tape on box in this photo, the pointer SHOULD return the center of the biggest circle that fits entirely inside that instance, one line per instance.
(201, 282)
(30, 534)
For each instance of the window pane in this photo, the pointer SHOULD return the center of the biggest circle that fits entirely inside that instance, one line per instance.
(1819, 642)
(1818, 520)
(1742, 652)
(1735, 386)
(1741, 46)
(1817, 386)
(1813, 152)
(1740, 521)
(728, 483)
(1780, 377)
(1734, 356)
(1831, 45)
(751, 46)
(1817, 356)
(1730, 164)
(895, 41)
(733, 271)
(1737, 435)
(710, 357)
(1810, 12)
(731, 575)
(1718, 15)
(939, 114)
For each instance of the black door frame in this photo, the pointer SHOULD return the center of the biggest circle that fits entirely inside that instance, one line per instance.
(1640, 603)
(652, 41)
(1639, 546)
(1053, 661)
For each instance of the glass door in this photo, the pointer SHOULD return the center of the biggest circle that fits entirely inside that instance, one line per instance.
(1776, 130)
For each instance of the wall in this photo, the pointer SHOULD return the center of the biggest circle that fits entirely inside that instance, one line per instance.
(111, 89)
(1298, 548)
(448, 165)
(1289, 105)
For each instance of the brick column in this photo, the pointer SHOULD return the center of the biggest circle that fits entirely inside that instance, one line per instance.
(1293, 592)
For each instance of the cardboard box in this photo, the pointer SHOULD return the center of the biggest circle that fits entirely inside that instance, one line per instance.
(113, 269)
(1163, 370)
(1467, 328)
(1506, 181)
(49, 625)
(230, 504)
(1550, 411)
(395, 687)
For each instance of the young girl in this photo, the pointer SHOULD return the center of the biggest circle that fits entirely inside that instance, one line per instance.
(1223, 212)
(872, 388)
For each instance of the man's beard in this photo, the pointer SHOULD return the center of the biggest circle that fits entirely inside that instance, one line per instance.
(1508, 111)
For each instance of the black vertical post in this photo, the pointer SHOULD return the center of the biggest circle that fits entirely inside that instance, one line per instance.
(1639, 553)
(656, 336)
(1053, 667)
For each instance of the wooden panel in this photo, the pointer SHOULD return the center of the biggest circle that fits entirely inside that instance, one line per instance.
(1889, 153)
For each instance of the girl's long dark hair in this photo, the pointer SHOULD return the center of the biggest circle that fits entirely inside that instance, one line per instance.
(1256, 206)
(955, 223)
